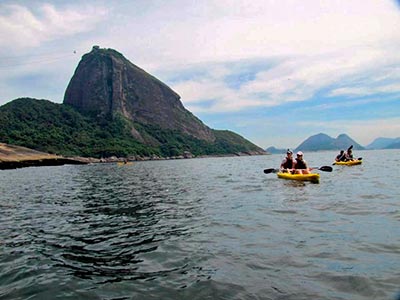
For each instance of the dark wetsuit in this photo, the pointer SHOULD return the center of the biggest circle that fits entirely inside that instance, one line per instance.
(300, 164)
(287, 163)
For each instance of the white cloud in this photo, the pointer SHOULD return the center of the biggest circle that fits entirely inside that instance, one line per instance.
(357, 72)
(224, 30)
(22, 27)
(366, 91)
(300, 77)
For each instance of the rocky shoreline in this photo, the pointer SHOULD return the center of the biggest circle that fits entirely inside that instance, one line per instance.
(186, 155)
(13, 157)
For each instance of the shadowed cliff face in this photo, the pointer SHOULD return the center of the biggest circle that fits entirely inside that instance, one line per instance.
(105, 82)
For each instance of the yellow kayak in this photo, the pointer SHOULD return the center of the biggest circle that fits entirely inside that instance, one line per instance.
(348, 163)
(121, 163)
(313, 177)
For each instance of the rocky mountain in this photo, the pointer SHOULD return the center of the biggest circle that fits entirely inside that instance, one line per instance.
(106, 83)
(322, 141)
(343, 141)
(395, 145)
(112, 107)
(12, 157)
(384, 143)
(274, 150)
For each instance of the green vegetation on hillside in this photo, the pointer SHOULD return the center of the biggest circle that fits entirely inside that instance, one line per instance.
(59, 129)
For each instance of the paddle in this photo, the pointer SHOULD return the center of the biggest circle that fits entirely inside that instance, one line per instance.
(323, 168)
(360, 158)
(272, 170)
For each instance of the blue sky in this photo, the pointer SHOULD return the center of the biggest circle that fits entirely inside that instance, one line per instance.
(275, 72)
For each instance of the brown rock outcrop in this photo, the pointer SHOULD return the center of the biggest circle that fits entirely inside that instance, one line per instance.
(12, 157)
(105, 83)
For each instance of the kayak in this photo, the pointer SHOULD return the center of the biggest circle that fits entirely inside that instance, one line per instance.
(348, 163)
(121, 163)
(313, 177)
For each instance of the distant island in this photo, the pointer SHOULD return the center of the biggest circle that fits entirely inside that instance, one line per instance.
(384, 143)
(321, 142)
(274, 150)
(114, 108)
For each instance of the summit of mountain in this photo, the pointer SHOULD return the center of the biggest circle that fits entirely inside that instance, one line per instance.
(106, 83)
(323, 141)
(343, 141)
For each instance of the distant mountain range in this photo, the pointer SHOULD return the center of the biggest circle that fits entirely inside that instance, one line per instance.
(384, 143)
(321, 141)
(274, 150)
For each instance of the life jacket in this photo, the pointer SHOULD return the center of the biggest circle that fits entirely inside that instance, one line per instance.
(300, 164)
(288, 164)
(341, 157)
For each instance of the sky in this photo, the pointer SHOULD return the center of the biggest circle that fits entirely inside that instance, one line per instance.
(275, 72)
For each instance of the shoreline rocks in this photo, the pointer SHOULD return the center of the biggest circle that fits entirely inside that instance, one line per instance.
(13, 157)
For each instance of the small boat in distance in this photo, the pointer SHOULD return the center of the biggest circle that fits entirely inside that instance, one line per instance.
(348, 163)
(124, 163)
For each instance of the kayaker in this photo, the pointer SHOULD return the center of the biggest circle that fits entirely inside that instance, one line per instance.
(287, 162)
(300, 165)
(349, 154)
(341, 156)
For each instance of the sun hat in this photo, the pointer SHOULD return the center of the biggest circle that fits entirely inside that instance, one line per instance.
(299, 153)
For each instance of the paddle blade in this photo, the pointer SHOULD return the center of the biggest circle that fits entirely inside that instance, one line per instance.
(360, 158)
(272, 170)
(326, 168)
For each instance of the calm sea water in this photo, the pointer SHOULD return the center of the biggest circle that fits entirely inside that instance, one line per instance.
(215, 228)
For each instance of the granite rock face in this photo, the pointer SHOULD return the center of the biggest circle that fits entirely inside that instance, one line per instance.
(105, 83)
(13, 157)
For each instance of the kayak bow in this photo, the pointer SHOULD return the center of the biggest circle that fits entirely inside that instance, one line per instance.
(312, 177)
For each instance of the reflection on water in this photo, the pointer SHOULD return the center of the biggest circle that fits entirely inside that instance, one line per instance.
(198, 229)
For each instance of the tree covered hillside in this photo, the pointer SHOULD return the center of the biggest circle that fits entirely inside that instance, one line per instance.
(60, 129)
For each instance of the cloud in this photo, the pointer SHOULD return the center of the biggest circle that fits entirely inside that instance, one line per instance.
(22, 27)
(366, 91)
(317, 47)
(220, 30)
(360, 71)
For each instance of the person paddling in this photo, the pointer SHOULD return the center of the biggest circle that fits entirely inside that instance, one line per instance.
(341, 156)
(349, 154)
(287, 162)
(300, 165)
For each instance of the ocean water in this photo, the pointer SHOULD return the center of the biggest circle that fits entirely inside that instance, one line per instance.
(212, 228)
